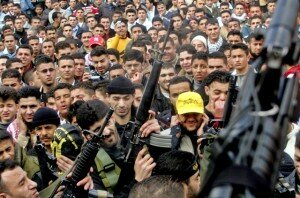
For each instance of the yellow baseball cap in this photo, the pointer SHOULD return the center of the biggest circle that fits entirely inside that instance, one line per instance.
(189, 102)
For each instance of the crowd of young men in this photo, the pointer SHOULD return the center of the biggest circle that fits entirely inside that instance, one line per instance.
(64, 63)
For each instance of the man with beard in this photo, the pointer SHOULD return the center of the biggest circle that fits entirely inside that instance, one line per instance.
(120, 94)
(255, 45)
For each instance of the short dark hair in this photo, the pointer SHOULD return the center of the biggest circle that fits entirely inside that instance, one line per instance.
(217, 76)
(187, 47)
(61, 86)
(112, 51)
(235, 33)
(158, 186)
(61, 45)
(212, 21)
(200, 56)
(86, 86)
(115, 67)
(25, 46)
(98, 51)
(217, 55)
(7, 164)
(8, 93)
(4, 135)
(91, 112)
(41, 59)
(65, 57)
(180, 79)
(29, 91)
(11, 73)
(10, 61)
(102, 86)
(133, 54)
(241, 46)
(157, 18)
(78, 56)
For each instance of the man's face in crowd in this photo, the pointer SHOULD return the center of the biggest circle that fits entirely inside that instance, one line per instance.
(28, 107)
(14, 83)
(2, 65)
(72, 21)
(116, 73)
(190, 121)
(233, 25)
(157, 24)
(105, 22)
(153, 35)
(121, 29)
(79, 67)
(216, 64)
(132, 67)
(7, 149)
(175, 39)
(36, 46)
(131, 17)
(161, 8)
(66, 69)
(199, 46)
(46, 73)
(122, 103)
(161, 33)
(35, 23)
(8, 110)
(271, 7)
(46, 132)
(239, 10)
(19, 24)
(18, 66)
(234, 39)
(239, 59)
(38, 10)
(63, 52)
(217, 92)
(101, 63)
(176, 89)
(137, 98)
(67, 31)
(199, 69)
(80, 94)
(113, 59)
(25, 56)
(164, 78)
(177, 22)
(256, 46)
(254, 23)
(91, 22)
(10, 43)
(135, 32)
(18, 185)
(98, 31)
(85, 37)
(185, 61)
(169, 53)
(51, 35)
(51, 103)
(213, 31)
(142, 15)
(48, 49)
(110, 132)
(62, 100)
(225, 17)
(255, 11)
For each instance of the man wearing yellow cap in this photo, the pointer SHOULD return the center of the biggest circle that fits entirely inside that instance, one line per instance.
(191, 120)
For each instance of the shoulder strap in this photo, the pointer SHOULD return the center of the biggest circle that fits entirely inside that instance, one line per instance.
(108, 170)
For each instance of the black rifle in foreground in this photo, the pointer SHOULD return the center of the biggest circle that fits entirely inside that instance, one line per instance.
(46, 160)
(135, 143)
(84, 162)
(82, 165)
(247, 154)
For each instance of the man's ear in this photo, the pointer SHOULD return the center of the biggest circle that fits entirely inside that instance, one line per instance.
(206, 89)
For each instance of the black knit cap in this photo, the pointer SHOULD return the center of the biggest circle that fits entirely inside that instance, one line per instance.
(120, 85)
(45, 115)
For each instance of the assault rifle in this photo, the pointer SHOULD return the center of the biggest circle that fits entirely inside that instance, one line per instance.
(45, 160)
(247, 154)
(135, 143)
(82, 165)
(85, 161)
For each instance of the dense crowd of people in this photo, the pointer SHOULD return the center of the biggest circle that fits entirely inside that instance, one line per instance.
(63, 64)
